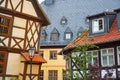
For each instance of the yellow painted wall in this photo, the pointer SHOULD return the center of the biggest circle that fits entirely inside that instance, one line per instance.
(58, 64)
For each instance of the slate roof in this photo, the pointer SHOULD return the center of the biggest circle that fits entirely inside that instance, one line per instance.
(36, 59)
(112, 35)
(75, 11)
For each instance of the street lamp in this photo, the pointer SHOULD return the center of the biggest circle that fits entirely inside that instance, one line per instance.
(31, 53)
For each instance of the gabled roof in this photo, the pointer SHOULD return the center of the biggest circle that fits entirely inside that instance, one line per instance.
(36, 58)
(40, 12)
(112, 35)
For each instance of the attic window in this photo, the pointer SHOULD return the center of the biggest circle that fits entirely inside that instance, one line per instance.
(98, 25)
(43, 35)
(54, 35)
(68, 34)
(63, 21)
(49, 2)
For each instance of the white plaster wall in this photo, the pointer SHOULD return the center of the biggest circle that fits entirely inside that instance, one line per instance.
(13, 64)
(28, 8)
(19, 22)
(18, 32)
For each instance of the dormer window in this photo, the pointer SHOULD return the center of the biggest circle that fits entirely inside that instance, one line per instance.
(63, 21)
(98, 25)
(49, 2)
(55, 35)
(68, 34)
(43, 35)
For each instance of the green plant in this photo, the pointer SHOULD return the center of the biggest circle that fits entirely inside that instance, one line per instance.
(80, 59)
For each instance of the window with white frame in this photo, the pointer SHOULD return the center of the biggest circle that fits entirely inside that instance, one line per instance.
(98, 25)
(94, 57)
(107, 57)
(67, 35)
(118, 53)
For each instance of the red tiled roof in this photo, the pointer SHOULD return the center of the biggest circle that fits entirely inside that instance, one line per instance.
(36, 58)
(112, 35)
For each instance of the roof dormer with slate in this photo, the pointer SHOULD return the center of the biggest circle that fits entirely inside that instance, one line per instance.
(118, 17)
(99, 23)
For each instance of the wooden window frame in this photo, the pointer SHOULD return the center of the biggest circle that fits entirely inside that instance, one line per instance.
(3, 62)
(6, 25)
(54, 55)
(53, 75)
(42, 75)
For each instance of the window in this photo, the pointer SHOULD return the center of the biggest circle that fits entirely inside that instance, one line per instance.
(43, 35)
(3, 61)
(55, 35)
(118, 53)
(63, 21)
(107, 57)
(5, 25)
(41, 53)
(97, 25)
(49, 2)
(65, 77)
(53, 54)
(94, 57)
(41, 75)
(53, 74)
(68, 34)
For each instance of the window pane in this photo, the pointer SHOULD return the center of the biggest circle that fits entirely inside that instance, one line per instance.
(95, 61)
(4, 25)
(104, 58)
(1, 28)
(67, 36)
(7, 22)
(1, 20)
(110, 51)
(5, 30)
(95, 26)
(41, 75)
(119, 49)
(111, 60)
(54, 36)
(100, 24)
(53, 54)
(104, 51)
(1, 68)
(95, 53)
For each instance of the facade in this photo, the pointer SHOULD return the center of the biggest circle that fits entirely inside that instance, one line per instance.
(104, 30)
(55, 66)
(20, 25)
(68, 20)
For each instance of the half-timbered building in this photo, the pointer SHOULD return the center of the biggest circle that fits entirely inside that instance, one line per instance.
(20, 25)
(104, 29)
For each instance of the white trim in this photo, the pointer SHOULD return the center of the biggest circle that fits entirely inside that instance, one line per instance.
(98, 26)
(118, 53)
(107, 55)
